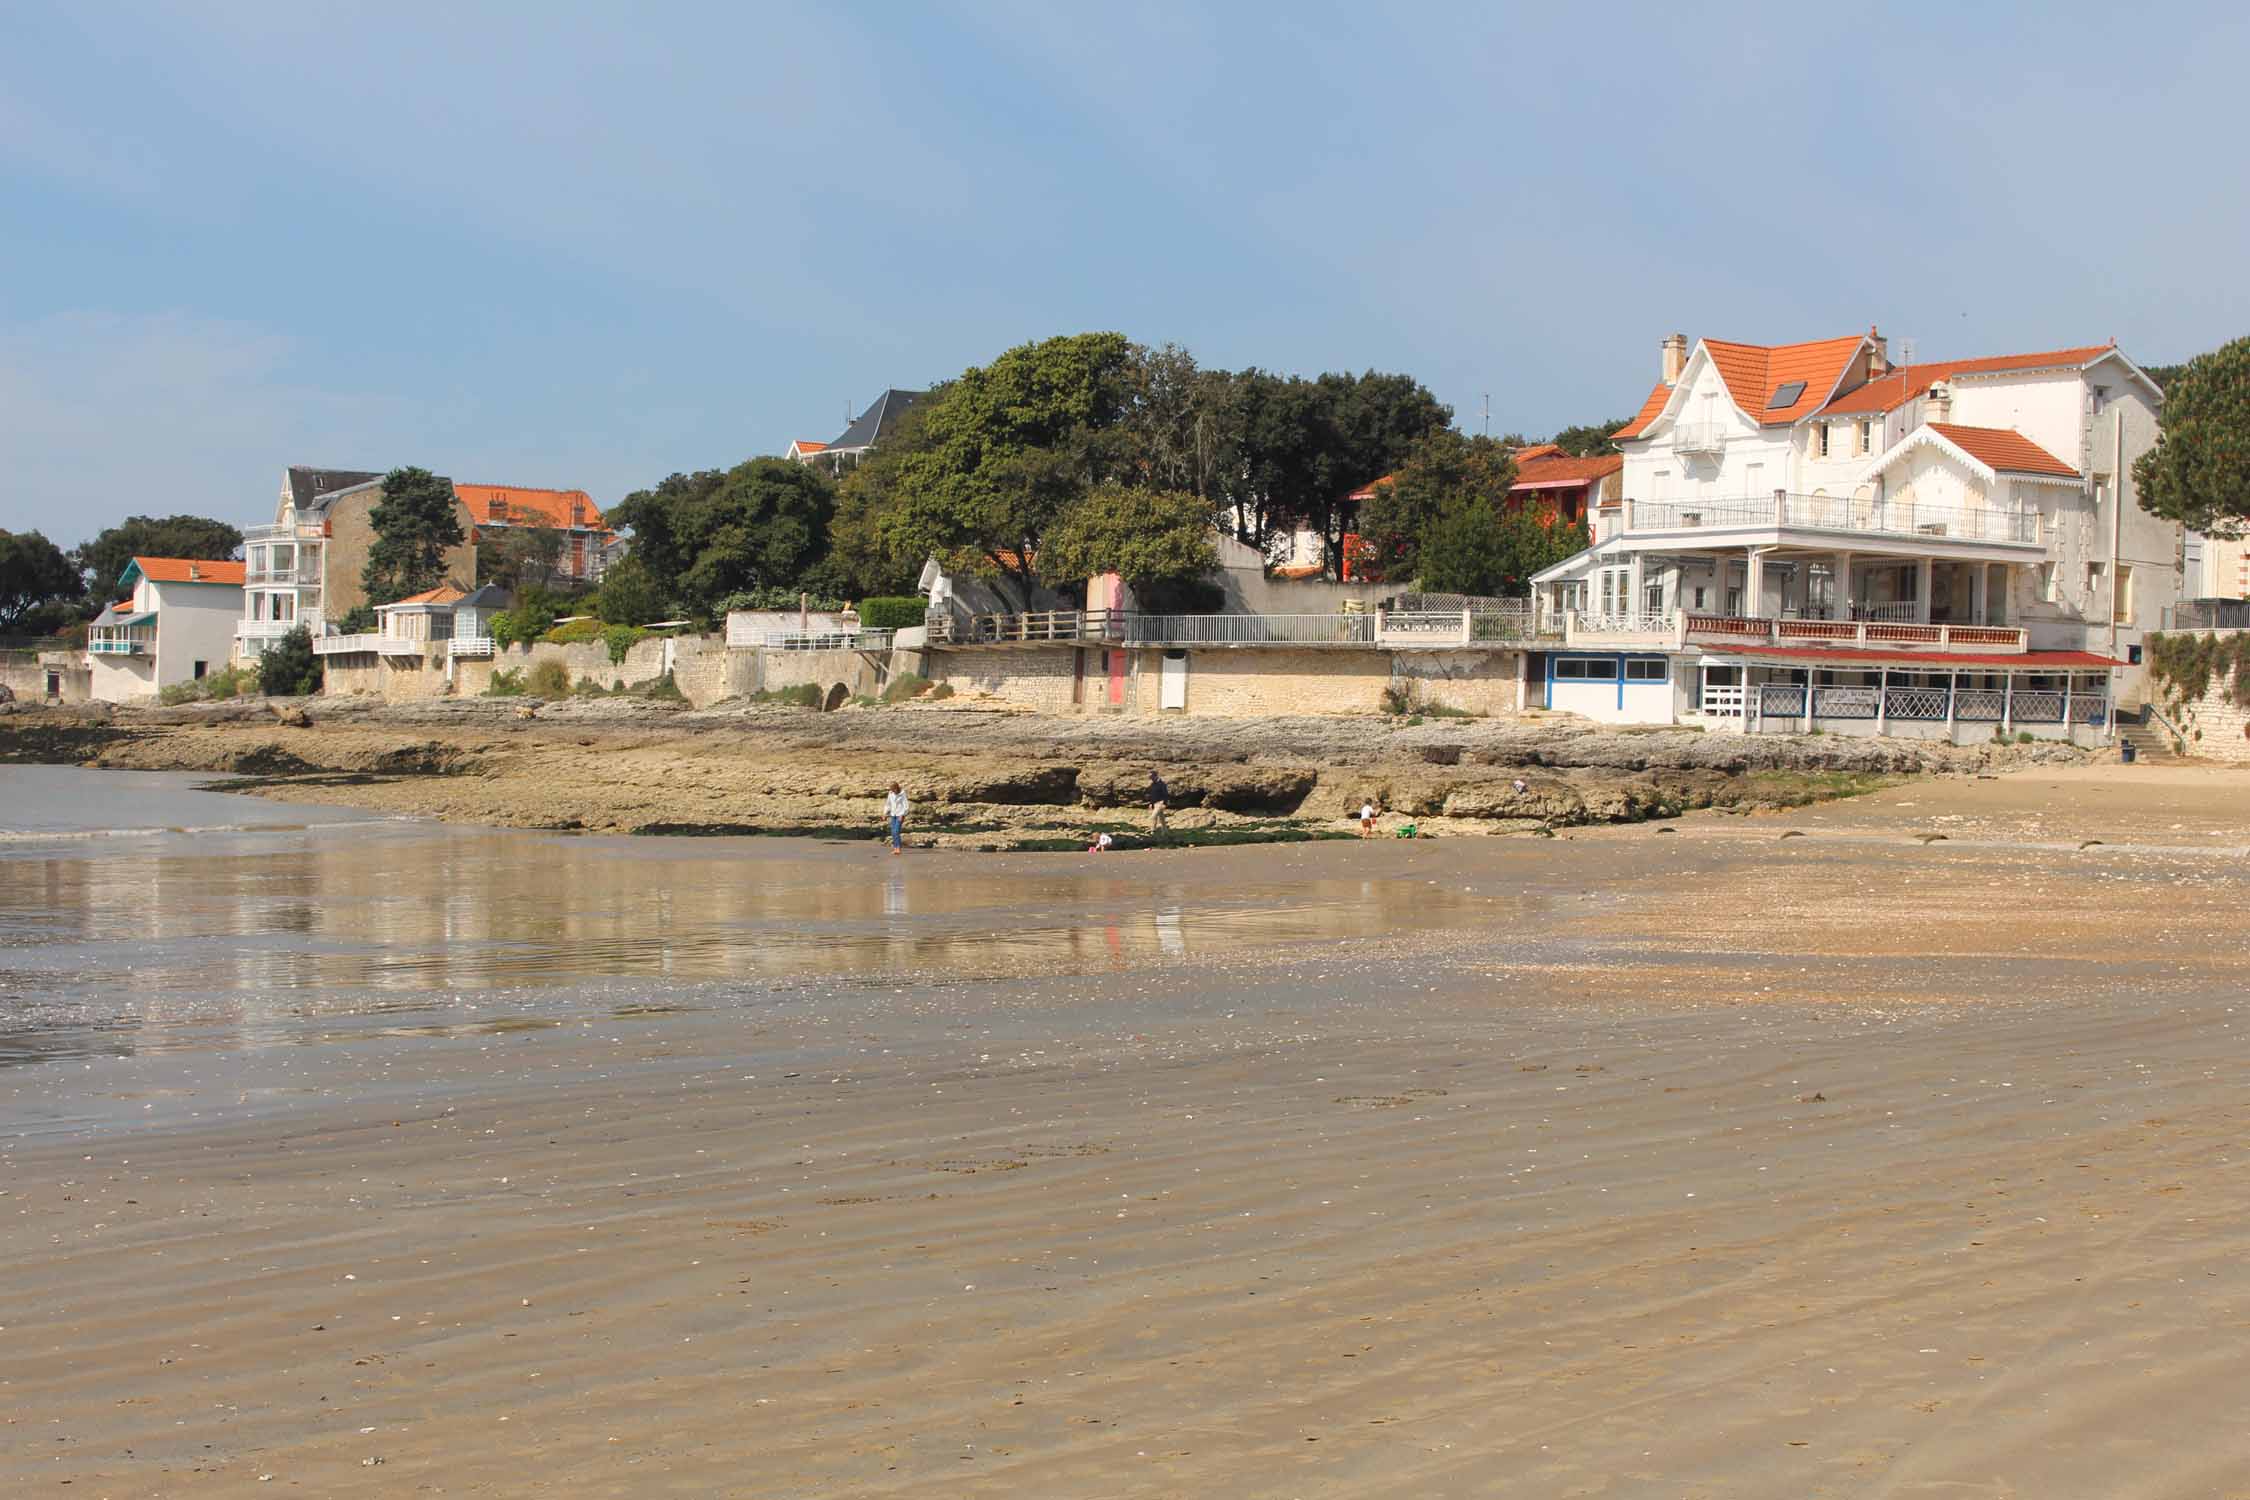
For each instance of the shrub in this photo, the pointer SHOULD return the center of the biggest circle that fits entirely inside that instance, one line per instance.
(361, 620)
(779, 598)
(663, 690)
(172, 695)
(621, 639)
(942, 690)
(892, 612)
(574, 632)
(506, 683)
(909, 685)
(288, 669)
(547, 679)
(803, 695)
(533, 617)
(628, 595)
(1398, 698)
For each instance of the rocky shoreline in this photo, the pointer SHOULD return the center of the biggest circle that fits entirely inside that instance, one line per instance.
(979, 777)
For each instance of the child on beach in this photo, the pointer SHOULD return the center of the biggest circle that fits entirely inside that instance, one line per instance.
(1367, 820)
(894, 810)
(1100, 845)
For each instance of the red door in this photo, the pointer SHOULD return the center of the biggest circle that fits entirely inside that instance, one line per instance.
(1116, 678)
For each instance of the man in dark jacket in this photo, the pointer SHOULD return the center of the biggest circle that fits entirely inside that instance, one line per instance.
(1158, 795)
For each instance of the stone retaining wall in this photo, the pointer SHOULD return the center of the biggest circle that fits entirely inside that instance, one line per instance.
(2217, 728)
(1240, 681)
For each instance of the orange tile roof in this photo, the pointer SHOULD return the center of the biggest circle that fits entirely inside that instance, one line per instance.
(175, 570)
(1367, 490)
(1753, 372)
(1906, 382)
(1534, 450)
(1554, 468)
(2004, 448)
(807, 445)
(444, 593)
(560, 509)
(1647, 414)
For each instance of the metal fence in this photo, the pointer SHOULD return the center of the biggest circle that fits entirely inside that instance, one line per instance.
(2208, 614)
(1846, 702)
(1979, 705)
(1914, 704)
(1781, 700)
(2038, 708)
(1252, 630)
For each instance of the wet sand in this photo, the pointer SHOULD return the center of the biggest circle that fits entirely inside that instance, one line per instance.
(1706, 1163)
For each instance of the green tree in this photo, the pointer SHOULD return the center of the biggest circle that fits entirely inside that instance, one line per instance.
(1147, 537)
(416, 523)
(628, 595)
(2199, 471)
(514, 556)
(1591, 440)
(1479, 547)
(34, 574)
(1004, 450)
(704, 536)
(1444, 472)
(104, 558)
(288, 668)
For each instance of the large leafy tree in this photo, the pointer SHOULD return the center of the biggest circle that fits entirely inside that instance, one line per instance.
(1288, 450)
(1150, 538)
(35, 574)
(2199, 471)
(1444, 472)
(1005, 449)
(416, 523)
(288, 668)
(704, 536)
(1483, 548)
(104, 558)
(515, 557)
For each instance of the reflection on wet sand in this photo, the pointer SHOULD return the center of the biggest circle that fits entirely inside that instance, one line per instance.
(256, 930)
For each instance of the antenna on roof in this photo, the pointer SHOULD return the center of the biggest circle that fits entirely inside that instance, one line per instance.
(1488, 413)
(1906, 351)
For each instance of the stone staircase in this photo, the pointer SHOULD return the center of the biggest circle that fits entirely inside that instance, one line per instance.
(2151, 742)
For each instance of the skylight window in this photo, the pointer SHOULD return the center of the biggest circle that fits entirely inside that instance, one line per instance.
(1786, 394)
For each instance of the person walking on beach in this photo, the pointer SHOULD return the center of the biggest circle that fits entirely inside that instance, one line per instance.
(894, 809)
(1367, 819)
(1158, 795)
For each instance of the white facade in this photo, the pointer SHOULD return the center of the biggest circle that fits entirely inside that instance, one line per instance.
(189, 632)
(1990, 496)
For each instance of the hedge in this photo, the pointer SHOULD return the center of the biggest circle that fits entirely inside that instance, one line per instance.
(892, 612)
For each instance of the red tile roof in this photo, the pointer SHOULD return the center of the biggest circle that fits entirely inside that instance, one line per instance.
(560, 509)
(2004, 449)
(807, 445)
(1872, 657)
(1647, 414)
(444, 593)
(1753, 372)
(1908, 381)
(1367, 490)
(177, 569)
(1552, 468)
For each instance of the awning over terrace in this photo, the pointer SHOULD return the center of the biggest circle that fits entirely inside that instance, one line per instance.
(1957, 661)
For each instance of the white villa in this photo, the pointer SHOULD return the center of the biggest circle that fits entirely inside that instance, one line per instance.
(176, 626)
(1809, 536)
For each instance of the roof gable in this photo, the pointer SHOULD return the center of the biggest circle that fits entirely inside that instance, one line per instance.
(306, 484)
(183, 570)
(2003, 450)
(1755, 372)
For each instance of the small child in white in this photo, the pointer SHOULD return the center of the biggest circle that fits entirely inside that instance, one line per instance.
(1367, 820)
(1100, 845)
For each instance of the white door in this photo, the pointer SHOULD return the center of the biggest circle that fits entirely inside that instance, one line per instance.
(1172, 685)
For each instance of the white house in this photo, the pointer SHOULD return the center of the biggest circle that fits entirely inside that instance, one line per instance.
(1805, 516)
(176, 626)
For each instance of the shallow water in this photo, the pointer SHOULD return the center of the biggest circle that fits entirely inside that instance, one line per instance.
(140, 914)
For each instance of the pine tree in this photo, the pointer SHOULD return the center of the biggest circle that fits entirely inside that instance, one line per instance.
(416, 524)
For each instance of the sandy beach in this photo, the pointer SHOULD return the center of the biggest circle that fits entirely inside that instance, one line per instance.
(1900, 1157)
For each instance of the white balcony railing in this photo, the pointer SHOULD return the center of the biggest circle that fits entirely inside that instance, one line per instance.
(381, 645)
(1864, 515)
(472, 645)
(273, 630)
(122, 642)
(1699, 437)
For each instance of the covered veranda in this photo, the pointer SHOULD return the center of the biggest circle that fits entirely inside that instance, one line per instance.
(1961, 697)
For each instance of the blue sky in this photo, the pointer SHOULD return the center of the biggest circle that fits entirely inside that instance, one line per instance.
(583, 245)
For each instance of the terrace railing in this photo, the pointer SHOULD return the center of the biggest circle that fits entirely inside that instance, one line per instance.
(1843, 513)
(1734, 630)
(1252, 630)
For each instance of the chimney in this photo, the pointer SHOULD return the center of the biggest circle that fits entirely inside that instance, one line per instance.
(1938, 407)
(1879, 361)
(1675, 357)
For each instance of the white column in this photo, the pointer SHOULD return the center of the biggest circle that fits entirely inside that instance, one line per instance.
(1843, 566)
(1922, 591)
(1754, 583)
(1882, 699)
(1633, 587)
(2008, 703)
